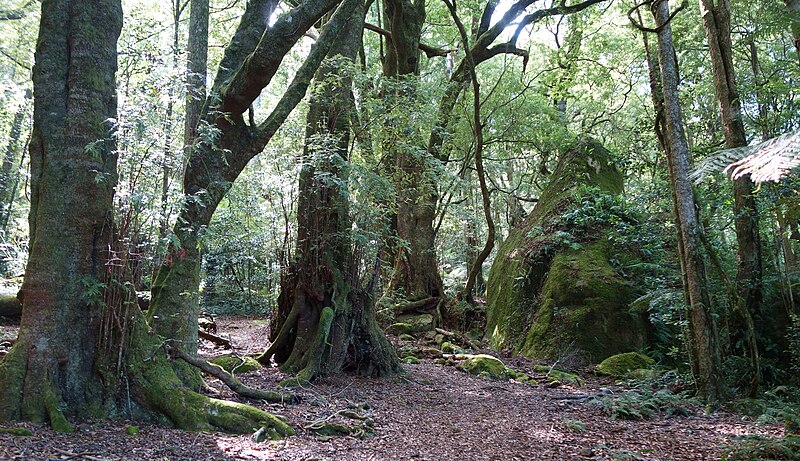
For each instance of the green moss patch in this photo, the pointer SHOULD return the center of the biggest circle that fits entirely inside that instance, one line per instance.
(235, 365)
(621, 364)
(16, 431)
(484, 365)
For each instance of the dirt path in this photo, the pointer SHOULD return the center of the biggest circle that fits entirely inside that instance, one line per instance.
(434, 413)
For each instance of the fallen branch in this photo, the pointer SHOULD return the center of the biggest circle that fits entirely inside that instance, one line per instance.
(234, 384)
(219, 341)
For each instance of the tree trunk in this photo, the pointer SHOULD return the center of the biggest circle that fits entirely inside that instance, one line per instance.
(196, 69)
(220, 153)
(331, 322)
(72, 278)
(706, 362)
(9, 177)
(716, 20)
(416, 270)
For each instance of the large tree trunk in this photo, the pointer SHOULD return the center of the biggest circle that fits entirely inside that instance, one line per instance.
(81, 333)
(716, 20)
(73, 172)
(220, 155)
(705, 355)
(416, 270)
(330, 323)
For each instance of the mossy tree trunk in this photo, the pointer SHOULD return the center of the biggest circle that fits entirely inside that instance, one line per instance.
(73, 172)
(226, 142)
(416, 271)
(330, 323)
(704, 349)
(716, 20)
(81, 335)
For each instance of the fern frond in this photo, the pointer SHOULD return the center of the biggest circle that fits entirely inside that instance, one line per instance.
(767, 161)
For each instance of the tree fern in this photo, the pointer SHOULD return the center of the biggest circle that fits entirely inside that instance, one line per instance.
(767, 161)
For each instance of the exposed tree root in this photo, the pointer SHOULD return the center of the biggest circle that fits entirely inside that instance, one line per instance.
(234, 384)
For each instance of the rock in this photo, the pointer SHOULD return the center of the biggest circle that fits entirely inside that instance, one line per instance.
(417, 323)
(406, 337)
(552, 291)
(450, 348)
(132, 430)
(558, 377)
(484, 365)
(399, 328)
(411, 360)
(233, 364)
(621, 364)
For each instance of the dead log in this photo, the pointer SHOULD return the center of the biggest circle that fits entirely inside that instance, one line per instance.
(219, 341)
(426, 305)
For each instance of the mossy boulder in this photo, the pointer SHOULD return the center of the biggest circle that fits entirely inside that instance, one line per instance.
(485, 365)
(237, 365)
(417, 323)
(558, 377)
(400, 329)
(621, 364)
(552, 290)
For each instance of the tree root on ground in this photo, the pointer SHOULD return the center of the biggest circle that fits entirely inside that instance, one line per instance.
(229, 380)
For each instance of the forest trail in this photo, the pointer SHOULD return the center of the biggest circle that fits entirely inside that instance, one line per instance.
(435, 412)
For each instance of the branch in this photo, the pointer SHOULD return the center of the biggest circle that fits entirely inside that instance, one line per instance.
(234, 384)
(302, 79)
(261, 65)
(547, 12)
(430, 51)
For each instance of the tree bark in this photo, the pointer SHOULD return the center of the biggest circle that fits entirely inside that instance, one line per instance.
(81, 333)
(705, 355)
(196, 68)
(716, 20)
(220, 153)
(330, 323)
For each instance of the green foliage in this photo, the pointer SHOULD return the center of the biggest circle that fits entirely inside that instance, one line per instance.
(643, 403)
(755, 448)
(793, 336)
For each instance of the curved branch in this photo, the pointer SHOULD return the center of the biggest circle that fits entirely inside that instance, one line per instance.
(430, 51)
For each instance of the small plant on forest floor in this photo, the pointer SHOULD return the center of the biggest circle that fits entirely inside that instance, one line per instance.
(763, 448)
(781, 404)
(644, 403)
(574, 425)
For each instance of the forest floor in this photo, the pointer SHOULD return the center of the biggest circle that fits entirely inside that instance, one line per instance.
(434, 412)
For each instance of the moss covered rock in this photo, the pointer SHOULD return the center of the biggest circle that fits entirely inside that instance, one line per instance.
(399, 328)
(236, 365)
(485, 365)
(552, 291)
(417, 323)
(621, 364)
